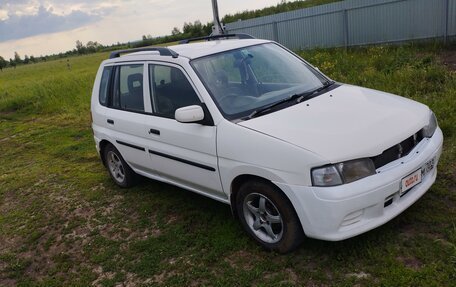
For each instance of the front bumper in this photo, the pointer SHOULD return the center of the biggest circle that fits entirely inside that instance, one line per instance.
(340, 212)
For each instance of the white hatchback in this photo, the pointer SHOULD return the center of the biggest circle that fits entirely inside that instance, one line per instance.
(251, 124)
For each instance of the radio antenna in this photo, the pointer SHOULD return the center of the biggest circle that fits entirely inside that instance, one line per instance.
(218, 28)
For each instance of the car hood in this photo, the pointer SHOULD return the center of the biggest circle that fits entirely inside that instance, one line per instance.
(345, 123)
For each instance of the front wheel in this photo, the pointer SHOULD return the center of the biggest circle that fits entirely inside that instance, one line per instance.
(268, 216)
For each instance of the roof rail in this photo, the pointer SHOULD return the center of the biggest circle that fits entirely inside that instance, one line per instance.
(162, 50)
(215, 37)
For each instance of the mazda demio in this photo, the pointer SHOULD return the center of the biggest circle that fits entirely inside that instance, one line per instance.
(251, 124)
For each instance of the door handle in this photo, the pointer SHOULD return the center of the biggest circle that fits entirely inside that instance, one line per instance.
(110, 121)
(154, 131)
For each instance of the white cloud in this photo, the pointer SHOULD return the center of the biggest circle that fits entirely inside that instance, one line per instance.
(58, 7)
(3, 15)
(43, 22)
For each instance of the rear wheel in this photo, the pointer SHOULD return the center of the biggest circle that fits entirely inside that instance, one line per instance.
(268, 216)
(118, 169)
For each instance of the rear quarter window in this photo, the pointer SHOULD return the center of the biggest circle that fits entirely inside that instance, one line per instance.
(104, 86)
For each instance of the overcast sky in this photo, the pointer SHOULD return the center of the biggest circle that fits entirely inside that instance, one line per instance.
(40, 27)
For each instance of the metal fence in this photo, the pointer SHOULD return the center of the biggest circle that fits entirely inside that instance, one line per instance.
(355, 22)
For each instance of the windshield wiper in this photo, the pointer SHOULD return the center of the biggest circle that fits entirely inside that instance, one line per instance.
(309, 94)
(326, 85)
(296, 97)
(265, 109)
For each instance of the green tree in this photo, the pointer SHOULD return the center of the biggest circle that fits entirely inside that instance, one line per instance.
(80, 47)
(194, 29)
(3, 63)
(93, 47)
(283, 6)
(175, 31)
(17, 58)
(12, 63)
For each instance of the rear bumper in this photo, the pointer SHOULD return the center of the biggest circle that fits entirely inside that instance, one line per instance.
(340, 212)
(97, 144)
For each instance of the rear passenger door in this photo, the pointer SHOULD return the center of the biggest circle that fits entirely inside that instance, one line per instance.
(126, 114)
(184, 153)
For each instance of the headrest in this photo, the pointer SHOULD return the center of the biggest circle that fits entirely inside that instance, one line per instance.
(135, 81)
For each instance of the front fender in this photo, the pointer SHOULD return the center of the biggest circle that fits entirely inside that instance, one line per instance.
(243, 151)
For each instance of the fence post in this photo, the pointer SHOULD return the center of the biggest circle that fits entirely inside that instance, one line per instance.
(346, 39)
(446, 16)
(275, 32)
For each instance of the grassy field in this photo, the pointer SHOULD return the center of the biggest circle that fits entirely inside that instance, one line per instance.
(63, 222)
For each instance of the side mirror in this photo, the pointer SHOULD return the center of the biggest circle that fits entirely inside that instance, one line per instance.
(189, 114)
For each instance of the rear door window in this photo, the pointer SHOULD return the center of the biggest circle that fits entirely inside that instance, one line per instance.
(128, 88)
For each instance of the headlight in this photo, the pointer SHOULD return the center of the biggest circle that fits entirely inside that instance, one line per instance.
(326, 176)
(344, 172)
(428, 131)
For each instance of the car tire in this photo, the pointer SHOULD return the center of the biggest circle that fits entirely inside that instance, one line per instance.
(268, 216)
(118, 169)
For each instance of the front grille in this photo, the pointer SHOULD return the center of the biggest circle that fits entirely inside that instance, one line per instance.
(397, 151)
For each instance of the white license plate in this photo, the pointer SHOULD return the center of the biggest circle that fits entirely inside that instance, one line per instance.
(410, 181)
(415, 178)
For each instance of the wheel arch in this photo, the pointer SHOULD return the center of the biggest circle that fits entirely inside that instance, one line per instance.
(239, 180)
(292, 219)
(102, 145)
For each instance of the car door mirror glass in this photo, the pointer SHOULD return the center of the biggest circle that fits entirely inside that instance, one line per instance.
(189, 114)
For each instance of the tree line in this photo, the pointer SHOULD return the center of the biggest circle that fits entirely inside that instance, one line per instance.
(16, 61)
(80, 49)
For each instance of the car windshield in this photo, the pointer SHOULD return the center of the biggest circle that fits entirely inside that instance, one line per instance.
(244, 80)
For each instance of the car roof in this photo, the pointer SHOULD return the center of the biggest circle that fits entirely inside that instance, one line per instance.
(192, 50)
(201, 49)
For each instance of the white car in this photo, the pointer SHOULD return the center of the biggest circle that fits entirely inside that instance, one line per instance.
(249, 123)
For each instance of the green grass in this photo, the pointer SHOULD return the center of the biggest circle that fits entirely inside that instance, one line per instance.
(63, 222)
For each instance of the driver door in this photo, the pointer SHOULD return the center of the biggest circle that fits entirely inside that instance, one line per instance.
(184, 153)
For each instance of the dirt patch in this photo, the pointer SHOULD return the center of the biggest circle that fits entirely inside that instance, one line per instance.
(358, 275)
(7, 282)
(116, 233)
(172, 218)
(292, 276)
(61, 244)
(8, 201)
(102, 276)
(408, 230)
(410, 262)
(132, 280)
(289, 275)
(162, 277)
(241, 259)
(448, 59)
(8, 138)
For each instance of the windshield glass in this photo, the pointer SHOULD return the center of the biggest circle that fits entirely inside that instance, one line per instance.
(244, 80)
